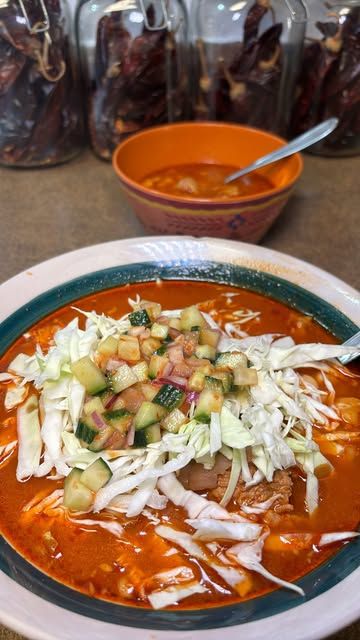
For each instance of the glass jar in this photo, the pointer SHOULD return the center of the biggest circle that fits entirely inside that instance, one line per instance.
(133, 55)
(40, 111)
(245, 56)
(329, 81)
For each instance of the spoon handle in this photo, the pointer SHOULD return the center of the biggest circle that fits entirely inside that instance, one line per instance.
(354, 341)
(301, 142)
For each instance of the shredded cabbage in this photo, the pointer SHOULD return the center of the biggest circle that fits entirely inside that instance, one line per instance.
(215, 433)
(337, 536)
(248, 555)
(208, 529)
(234, 477)
(30, 443)
(234, 433)
(15, 395)
(173, 594)
(232, 576)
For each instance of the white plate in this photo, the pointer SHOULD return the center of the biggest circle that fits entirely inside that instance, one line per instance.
(35, 618)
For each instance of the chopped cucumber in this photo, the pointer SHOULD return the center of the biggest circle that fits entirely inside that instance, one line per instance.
(100, 440)
(230, 360)
(115, 414)
(141, 371)
(153, 309)
(92, 405)
(210, 401)
(139, 318)
(175, 323)
(86, 430)
(129, 348)
(191, 317)
(243, 376)
(196, 381)
(149, 391)
(120, 419)
(196, 327)
(173, 421)
(89, 375)
(206, 368)
(108, 347)
(161, 350)
(105, 395)
(97, 475)
(205, 351)
(157, 365)
(149, 346)
(169, 397)
(209, 336)
(159, 331)
(147, 436)
(77, 497)
(122, 378)
(148, 413)
(118, 404)
(213, 383)
(226, 378)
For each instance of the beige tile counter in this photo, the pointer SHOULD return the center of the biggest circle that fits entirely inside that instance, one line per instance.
(44, 213)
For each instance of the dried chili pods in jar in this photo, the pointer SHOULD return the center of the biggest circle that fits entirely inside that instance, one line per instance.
(40, 113)
(133, 55)
(244, 57)
(329, 80)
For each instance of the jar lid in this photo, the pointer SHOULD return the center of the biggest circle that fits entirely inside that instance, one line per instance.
(41, 25)
(125, 5)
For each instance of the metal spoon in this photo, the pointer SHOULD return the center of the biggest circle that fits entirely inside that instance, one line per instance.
(301, 142)
(354, 341)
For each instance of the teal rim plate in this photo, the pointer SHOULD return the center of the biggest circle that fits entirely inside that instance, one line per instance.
(340, 565)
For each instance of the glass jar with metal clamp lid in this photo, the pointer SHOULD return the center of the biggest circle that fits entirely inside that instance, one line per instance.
(329, 81)
(245, 55)
(133, 55)
(40, 112)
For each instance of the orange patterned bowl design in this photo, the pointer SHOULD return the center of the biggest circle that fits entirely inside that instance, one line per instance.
(246, 218)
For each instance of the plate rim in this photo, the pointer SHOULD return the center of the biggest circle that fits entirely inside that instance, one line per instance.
(48, 274)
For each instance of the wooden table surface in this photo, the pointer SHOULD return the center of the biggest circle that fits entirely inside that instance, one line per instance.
(45, 213)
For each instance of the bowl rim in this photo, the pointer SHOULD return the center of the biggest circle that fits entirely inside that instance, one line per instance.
(184, 200)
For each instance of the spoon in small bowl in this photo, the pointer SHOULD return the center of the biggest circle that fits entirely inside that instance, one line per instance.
(298, 144)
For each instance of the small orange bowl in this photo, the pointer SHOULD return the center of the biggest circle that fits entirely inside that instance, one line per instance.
(244, 218)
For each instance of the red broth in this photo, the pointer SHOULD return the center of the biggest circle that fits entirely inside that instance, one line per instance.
(96, 563)
(205, 181)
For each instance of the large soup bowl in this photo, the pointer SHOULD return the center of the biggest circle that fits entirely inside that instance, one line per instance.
(41, 608)
(246, 218)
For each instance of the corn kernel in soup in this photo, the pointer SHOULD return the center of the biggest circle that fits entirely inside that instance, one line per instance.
(205, 181)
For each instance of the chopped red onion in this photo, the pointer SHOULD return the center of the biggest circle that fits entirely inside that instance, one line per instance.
(130, 436)
(175, 354)
(111, 401)
(135, 331)
(167, 369)
(114, 363)
(176, 381)
(99, 421)
(192, 396)
(174, 333)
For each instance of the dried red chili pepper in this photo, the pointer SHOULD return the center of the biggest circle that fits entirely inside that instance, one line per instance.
(39, 114)
(246, 88)
(329, 84)
(137, 81)
(254, 16)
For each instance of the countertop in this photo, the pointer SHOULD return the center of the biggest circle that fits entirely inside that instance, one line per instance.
(47, 212)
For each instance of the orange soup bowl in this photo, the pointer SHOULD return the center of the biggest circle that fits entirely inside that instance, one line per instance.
(247, 218)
